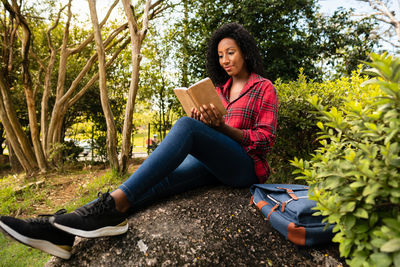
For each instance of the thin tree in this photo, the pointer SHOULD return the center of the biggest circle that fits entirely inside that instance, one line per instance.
(137, 30)
(385, 13)
(105, 103)
(51, 120)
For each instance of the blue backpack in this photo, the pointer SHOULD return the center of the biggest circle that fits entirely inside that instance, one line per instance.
(288, 209)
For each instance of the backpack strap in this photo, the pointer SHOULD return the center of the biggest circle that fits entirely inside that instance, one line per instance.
(260, 204)
(272, 210)
(289, 192)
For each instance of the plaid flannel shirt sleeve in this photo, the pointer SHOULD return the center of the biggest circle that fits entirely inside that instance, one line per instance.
(261, 138)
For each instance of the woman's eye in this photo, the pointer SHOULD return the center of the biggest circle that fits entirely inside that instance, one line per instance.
(231, 53)
(219, 56)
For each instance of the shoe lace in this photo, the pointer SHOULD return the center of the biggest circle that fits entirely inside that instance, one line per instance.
(99, 206)
(44, 218)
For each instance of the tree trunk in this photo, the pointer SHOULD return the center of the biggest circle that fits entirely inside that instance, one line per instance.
(14, 162)
(30, 98)
(14, 133)
(111, 131)
(137, 37)
(51, 127)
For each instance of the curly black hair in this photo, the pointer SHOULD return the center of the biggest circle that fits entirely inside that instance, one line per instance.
(247, 45)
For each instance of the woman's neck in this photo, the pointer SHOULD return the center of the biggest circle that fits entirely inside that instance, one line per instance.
(242, 78)
(238, 82)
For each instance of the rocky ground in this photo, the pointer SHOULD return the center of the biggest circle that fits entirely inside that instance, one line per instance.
(206, 227)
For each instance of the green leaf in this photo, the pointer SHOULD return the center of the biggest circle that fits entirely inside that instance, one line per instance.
(361, 213)
(332, 182)
(349, 207)
(361, 228)
(349, 222)
(392, 223)
(391, 245)
(378, 242)
(357, 261)
(345, 247)
(395, 162)
(371, 189)
(373, 218)
(381, 259)
(357, 184)
(396, 259)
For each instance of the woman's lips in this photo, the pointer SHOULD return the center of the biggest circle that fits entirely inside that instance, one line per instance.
(229, 68)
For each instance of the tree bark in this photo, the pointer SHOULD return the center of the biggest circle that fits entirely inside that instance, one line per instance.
(111, 131)
(65, 99)
(14, 133)
(14, 162)
(137, 37)
(30, 97)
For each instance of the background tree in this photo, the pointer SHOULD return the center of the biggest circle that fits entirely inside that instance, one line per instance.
(157, 81)
(43, 69)
(386, 13)
(105, 103)
(138, 26)
(290, 34)
(52, 79)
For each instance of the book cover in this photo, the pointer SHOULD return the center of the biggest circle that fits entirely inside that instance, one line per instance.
(201, 93)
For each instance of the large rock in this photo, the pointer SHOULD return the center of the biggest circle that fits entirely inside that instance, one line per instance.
(205, 227)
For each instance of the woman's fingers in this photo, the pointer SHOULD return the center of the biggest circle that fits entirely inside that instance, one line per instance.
(195, 114)
(210, 115)
(219, 119)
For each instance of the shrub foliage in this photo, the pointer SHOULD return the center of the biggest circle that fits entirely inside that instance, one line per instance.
(297, 127)
(354, 175)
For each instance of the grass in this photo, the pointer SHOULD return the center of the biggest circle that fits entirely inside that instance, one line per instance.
(16, 254)
(12, 203)
(23, 204)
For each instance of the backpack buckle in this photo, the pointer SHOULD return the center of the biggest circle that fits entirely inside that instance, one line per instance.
(289, 192)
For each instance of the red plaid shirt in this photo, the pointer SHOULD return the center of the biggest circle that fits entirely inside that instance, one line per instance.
(255, 112)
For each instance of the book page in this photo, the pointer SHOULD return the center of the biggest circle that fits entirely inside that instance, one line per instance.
(204, 93)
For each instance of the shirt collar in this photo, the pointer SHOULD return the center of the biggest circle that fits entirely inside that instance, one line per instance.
(254, 78)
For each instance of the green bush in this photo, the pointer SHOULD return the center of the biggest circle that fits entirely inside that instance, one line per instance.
(354, 175)
(297, 130)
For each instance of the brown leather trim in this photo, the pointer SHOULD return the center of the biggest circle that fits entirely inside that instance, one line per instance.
(251, 200)
(272, 210)
(290, 193)
(283, 206)
(297, 234)
(261, 204)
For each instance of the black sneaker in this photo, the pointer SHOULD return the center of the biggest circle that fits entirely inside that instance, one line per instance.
(39, 233)
(96, 219)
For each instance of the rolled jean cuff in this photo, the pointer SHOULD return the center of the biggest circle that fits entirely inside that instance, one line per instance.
(127, 193)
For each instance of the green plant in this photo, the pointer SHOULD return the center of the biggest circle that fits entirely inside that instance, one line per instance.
(354, 176)
(107, 182)
(297, 129)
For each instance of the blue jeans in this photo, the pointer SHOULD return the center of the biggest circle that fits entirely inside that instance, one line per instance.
(190, 156)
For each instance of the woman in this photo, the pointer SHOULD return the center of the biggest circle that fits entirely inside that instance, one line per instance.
(207, 148)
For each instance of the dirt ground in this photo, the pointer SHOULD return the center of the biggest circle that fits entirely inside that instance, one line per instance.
(210, 226)
(62, 188)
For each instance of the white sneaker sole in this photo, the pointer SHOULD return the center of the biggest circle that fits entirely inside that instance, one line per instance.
(42, 245)
(120, 229)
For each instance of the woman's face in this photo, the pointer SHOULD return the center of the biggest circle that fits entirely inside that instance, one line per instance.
(231, 58)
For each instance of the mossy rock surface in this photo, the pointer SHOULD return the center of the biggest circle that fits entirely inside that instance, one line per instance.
(212, 226)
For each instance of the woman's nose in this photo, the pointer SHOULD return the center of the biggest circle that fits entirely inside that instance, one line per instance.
(225, 59)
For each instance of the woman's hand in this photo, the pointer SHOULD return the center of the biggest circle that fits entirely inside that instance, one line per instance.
(211, 116)
(195, 114)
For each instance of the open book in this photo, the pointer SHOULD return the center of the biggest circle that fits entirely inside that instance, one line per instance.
(201, 93)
